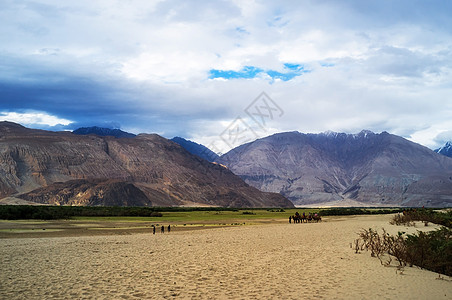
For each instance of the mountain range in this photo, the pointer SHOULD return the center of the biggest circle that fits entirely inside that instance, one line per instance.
(445, 150)
(99, 166)
(63, 168)
(338, 169)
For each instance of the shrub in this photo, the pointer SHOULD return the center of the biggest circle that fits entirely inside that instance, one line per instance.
(432, 250)
(15, 212)
(400, 219)
(276, 210)
(356, 211)
(425, 215)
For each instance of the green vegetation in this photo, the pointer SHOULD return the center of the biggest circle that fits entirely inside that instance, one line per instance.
(226, 216)
(358, 211)
(15, 212)
(431, 250)
(424, 215)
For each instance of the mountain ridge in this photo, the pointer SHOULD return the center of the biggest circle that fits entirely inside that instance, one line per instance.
(41, 166)
(372, 169)
(102, 131)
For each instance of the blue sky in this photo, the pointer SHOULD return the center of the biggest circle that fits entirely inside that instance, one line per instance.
(192, 68)
(289, 72)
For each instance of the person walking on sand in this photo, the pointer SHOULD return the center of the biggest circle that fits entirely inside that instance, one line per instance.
(169, 228)
(290, 219)
(153, 229)
(163, 229)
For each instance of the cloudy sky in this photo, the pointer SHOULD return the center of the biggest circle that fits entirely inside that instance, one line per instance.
(197, 69)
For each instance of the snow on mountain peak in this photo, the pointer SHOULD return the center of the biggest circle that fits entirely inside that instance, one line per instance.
(446, 149)
(362, 133)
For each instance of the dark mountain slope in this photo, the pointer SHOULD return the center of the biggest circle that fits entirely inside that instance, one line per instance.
(100, 131)
(196, 149)
(95, 192)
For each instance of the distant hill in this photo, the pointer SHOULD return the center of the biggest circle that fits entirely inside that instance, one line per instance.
(100, 131)
(445, 150)
(62, 168)
(196, 149)
(338, 169)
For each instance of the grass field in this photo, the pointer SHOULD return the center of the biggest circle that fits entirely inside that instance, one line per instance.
(209, 216)
(184, 220)
(178, 218)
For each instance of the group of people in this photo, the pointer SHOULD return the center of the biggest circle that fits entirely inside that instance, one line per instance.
(162, 229)
(297, 218)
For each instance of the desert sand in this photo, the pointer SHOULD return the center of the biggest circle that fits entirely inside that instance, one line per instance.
(273, 261)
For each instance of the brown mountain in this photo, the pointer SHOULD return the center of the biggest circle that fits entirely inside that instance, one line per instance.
(64, 168)
(92, 192)
(338, 169)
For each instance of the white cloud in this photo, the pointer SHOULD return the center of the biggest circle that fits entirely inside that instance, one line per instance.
(444, 137)
(389, 66)
(33, 118)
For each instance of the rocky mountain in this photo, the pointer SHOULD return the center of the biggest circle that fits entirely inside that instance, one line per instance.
(445, 150)
(196, 149)
(65, 168)
(100, 131)
(339, 169)
(94, 192)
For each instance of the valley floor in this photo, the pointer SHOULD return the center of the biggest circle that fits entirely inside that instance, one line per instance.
(267, 261)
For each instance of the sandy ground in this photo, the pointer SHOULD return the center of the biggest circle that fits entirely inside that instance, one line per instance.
(277, 261)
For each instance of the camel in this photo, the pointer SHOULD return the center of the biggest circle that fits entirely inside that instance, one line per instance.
(297, 218)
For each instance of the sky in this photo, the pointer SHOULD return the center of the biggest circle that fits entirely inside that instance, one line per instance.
(222, 73)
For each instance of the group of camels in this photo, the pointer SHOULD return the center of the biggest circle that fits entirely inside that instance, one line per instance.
(297, 218)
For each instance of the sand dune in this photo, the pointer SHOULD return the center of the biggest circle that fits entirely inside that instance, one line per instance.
(279, 261)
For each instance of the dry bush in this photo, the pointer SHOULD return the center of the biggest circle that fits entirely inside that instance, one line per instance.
(396, 247)
(432, 250)
(402, 219)
(381, 244)
(357, 245)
